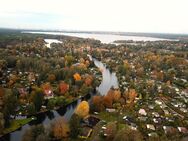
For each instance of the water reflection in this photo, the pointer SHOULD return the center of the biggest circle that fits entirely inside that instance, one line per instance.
(50, 115)
(108, 79)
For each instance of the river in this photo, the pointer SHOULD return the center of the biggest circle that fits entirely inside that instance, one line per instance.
(108, 80)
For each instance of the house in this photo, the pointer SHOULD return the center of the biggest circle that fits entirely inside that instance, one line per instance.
(158, 102)
(142, 118)
(183, 130)
(85, 132)
(150, 126)
(183, 110)
(155, 114)
(153, 134)
(133, 126)
(157, 120)
(166, 112)
(90, 121)
(110, 110)
(151, 107)
(128, 119)
(169, 130)
(142, 112)
(170, 119)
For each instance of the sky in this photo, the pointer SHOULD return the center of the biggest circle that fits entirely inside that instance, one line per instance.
(161, 16)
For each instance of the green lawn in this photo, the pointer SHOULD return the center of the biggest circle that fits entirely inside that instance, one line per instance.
(108, 117)
(16, 124)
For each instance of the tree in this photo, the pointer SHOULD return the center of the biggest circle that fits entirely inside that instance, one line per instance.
(63, 87)
(117, 95)
(130, 95)
(2, 121)
(107, 101)
(60, 128)
(74, 124)
(31, 108)
(3, 64)
(47, 89)
(69, 60)
(82, 109)
(77, 77)
(88, 80)
(97, 103)
(37, 98)
(10, 104)
(127, 134)
(1, 92)
(51, 78)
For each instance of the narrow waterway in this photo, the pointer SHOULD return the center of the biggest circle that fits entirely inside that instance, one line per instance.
(108, 80)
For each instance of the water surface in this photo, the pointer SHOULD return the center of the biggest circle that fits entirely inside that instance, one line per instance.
(104, 38)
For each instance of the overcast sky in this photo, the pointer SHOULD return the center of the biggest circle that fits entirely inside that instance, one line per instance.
(167, 16)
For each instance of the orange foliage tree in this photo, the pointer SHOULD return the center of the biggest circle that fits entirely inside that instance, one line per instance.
(63, 87)
(117, 95)
(97, 103)
(46, 88)
(107, 101)
(130, 95)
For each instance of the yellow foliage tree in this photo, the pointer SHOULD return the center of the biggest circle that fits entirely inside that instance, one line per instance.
(82, 109)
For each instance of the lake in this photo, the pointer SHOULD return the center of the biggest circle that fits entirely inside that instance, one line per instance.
(104, 38)
(49, 41)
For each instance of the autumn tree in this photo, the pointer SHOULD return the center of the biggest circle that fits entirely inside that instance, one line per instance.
(88, 80)
(63, 87)
(117, 95)
(82, 109)
(60, 128)
(77, 77)
(130, 95)
(97, 103)
(107, 101)
(46, 87)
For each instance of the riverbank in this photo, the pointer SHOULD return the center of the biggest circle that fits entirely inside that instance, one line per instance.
(16, 124)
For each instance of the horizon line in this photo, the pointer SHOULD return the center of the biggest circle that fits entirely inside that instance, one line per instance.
(95, 31)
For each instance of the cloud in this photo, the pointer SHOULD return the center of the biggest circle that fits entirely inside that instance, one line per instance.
(106, 15)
